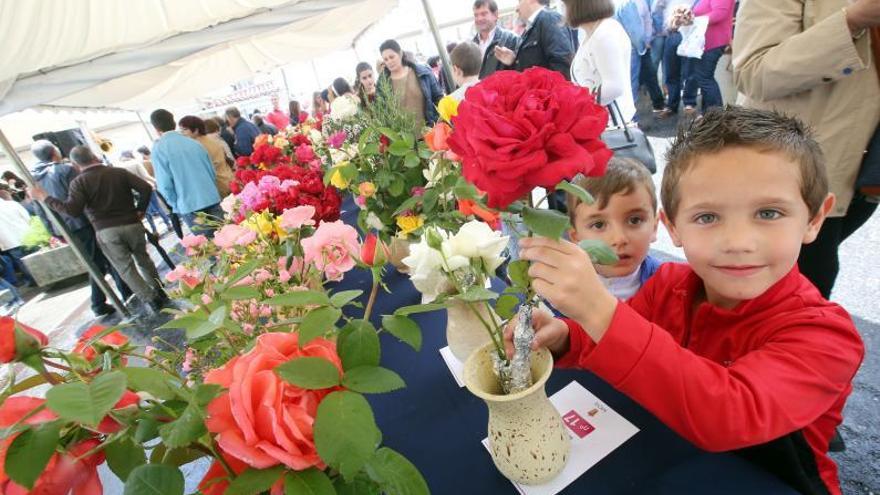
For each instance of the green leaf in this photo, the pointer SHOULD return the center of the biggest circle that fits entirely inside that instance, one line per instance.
(310, 373)
(396, 474)
(372, 380)
(476, 293)
(546, 223)
(465, 190)
(253, 481)
(185, 429)
(418, 308)
(154, 479)
(409, 204)
(299, 298)
(308, 482)
(577, 191)
(390, 133)
(399, 148)
(505, 306)
(206, 327)
(396, 187)
(346, 434)
(243, 271)
(342, 298)
(187, 322)
(218, 315)
(404, 328)
(318, 322)
(599, 252)
(237, 293)
(30, 452)
(518, 271)
(429, 199)
(87, 403)
(150, 380)
(412, 160)
(123, 456)
(174, 457)
(147, 429)
(358, 345)
(361, 485)
(206, 392)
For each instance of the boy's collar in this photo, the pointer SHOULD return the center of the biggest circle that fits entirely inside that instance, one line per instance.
(692, 285)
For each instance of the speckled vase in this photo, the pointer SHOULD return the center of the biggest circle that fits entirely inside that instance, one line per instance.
(527, 439)
(464, 331)
(398, 250)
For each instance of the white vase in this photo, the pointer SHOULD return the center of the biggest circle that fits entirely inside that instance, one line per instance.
(465, 332)
(527, 439)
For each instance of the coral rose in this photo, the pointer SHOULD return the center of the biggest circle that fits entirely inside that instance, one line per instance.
(521, 130)
(262, 420)
(114, 339)
(29, 340)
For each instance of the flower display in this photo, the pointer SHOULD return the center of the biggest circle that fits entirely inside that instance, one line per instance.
(88, 350)
(521, 130)
(332, 248)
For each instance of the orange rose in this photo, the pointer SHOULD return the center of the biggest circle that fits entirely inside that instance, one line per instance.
(216, 480)
(262, 420)
(436, 137)
(491, 217)
(115, 339)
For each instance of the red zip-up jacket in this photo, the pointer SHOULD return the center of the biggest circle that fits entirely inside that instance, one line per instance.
(767, 379)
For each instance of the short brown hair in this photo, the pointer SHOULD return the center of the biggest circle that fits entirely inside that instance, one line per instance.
(622, 176)
(763, 130)
(466, 56)
(493, 7)
(578, 12)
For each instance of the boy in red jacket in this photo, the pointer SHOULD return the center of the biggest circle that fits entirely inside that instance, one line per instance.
(735, 350)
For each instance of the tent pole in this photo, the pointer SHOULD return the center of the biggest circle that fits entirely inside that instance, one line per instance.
(286, 86)
(60, 226)
(146, 127)
(441, 47)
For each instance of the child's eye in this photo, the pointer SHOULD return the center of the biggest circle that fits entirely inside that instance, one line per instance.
(769, 214)
(705, 218)
(635, 220)
(597, 225)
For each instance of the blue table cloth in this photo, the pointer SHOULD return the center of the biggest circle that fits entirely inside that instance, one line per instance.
(439, 426)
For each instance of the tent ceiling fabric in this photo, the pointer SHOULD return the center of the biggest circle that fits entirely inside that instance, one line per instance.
(200, 48)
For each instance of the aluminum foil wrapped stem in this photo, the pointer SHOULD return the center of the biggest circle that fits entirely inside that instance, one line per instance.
(516, 375)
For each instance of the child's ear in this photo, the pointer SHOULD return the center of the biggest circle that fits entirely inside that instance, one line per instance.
(656, 224)
(670, 227)
(817, 220)
(573, 235)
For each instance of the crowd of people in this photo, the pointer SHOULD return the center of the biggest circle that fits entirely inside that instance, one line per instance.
(748, 193)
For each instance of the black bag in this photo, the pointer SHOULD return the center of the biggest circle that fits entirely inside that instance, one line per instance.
(628, 142)
(868, 180)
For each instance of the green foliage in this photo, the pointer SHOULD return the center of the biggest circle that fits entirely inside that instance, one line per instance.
(87, 403)
(404, 328)
(29, 453)
(154, 479)
(310, 373)
(372, 380)
(346, 434)
(358, 345)
(254, 481)
(395, 474)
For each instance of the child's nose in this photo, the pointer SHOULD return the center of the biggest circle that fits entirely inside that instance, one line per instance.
(616, 236)
(739, 237)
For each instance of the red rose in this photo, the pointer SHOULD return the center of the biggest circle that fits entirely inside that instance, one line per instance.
(28, 341)
(114, 339)
(262, 420)
(374, 252)
(521, 130)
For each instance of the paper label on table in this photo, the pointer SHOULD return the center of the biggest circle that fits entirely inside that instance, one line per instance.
(595, 431)
(455, 366)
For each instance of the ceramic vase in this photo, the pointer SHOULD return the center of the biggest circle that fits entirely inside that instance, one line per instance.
(465, 333)
(527, 439)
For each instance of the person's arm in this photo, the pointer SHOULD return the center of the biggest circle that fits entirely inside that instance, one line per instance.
(557, 47)
(75, 203)
(781, 387)
(164, 178)
(612, 69)
(717, 10)
(774, 57)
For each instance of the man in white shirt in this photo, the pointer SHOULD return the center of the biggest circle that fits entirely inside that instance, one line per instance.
(15, 222)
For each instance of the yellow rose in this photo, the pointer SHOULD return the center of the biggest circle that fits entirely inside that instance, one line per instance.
(338, 181)
(448, 108)
(261, 224)
(282, 233)
(367, 189)
(280, 142)
(408, 224)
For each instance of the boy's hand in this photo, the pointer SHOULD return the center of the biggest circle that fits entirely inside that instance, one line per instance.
(550, 332)
(563, 274)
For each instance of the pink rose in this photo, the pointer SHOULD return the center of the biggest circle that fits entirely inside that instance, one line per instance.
(262, 420)
(361, 201)
(192, 242)
(332, 249)
(189, 276)
(234, 235)
(261, 275)
(295, 218)
(337, 139)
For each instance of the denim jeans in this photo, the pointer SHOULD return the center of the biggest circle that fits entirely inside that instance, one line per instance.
(154, 208)
(704, 74)
(648, 78)
(657, 51)
(196, 228)
(678, 74)
(13, 256)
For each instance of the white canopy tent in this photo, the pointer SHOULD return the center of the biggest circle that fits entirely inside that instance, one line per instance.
(135, 54)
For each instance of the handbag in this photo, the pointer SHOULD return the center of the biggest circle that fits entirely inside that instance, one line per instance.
(628, 142)
(868, 179)
(693, 38)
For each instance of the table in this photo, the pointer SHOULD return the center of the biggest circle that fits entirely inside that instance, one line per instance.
(438, 426)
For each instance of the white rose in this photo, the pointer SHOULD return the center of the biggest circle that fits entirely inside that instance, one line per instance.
(374, 222)
(428, 269)
(315, 137)
(228, 204)
(476, 239)
(344, 107)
